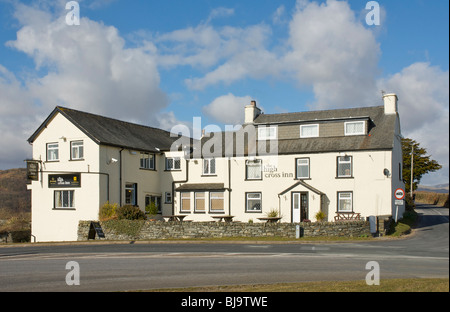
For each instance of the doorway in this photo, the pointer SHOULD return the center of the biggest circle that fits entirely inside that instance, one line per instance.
(299, 206)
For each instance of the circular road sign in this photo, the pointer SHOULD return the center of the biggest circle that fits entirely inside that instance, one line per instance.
(399, 193)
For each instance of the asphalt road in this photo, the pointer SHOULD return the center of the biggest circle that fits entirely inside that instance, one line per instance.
(136, 266)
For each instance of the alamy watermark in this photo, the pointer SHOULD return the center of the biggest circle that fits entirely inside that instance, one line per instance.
(73, 277)
(73, 17)
(373, 17)
(373, 277)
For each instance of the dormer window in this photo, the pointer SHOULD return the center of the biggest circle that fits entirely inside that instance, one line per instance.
(309, 131)
(355, 128)
(267, 133)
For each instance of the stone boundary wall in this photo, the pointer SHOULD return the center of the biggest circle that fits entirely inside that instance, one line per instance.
(148, 230)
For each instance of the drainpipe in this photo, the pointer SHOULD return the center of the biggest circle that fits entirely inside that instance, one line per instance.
(229, 185)
(120, 176)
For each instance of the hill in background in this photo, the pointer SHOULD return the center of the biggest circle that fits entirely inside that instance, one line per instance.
(14, 196)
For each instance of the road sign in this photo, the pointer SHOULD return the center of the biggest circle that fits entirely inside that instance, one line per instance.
(399, 202)
(399, 194)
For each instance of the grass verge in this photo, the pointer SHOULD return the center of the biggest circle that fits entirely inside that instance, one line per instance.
(387, 285)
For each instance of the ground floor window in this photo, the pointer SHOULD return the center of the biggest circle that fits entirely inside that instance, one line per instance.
(345, 202)
(185, 202)
(200, 202)
(253, 202)
(153, 201)
(130, 194)
(64, 199)
(216, 201)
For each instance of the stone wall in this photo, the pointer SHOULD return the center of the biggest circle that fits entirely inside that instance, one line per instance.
(148, 230)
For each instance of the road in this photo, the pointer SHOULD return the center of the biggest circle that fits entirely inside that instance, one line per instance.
(137, 266)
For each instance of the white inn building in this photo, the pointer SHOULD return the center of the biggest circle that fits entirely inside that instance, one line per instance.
(346, 163)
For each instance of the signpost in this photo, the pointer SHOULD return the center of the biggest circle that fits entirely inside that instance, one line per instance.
(399, 195)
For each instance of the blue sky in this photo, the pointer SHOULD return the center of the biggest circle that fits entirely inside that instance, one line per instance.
(163, 62)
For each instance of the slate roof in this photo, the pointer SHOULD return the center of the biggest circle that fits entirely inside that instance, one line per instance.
(380, 134)
(201, 187)
(113, 132)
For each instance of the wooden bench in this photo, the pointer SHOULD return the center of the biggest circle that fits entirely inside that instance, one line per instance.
(348, 216)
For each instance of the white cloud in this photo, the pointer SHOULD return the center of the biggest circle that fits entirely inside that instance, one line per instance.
(423, 92)
(228, 109)
(84, 67)
(334, 53)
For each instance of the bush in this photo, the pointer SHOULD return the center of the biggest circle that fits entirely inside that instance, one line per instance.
(108, 212)
(320, 216)
(129, 212)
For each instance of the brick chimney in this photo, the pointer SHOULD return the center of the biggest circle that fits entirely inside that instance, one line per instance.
(251, 112)
(390, 103)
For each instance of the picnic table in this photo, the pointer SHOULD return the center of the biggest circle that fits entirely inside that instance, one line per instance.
(270, 219)
(175, 217)
(225, 218)
(348, 216)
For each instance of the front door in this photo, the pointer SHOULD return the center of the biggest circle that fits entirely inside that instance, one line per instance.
(299, 206)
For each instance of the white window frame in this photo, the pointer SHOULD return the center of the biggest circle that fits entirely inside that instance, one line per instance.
(77, 150)
(309, 126)
(133, 188)
(267, 133)
(168, 198)
(59, 199)
(339, 162)
(174, 162)
(147, 161)
(341, 196)
(55, 155)
(247, 199)
(303, 165)
(355, 122)
(253, 163)
(207, 166)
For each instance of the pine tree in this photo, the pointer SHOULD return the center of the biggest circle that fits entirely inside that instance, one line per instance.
(421, 161)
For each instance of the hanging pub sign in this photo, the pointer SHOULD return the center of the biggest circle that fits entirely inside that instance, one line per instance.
(64, 180)
(32, 170)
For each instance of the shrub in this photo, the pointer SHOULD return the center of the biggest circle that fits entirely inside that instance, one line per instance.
(129, 212)
(108, 211)
(151, 209)
(272, 213)
(320, 216)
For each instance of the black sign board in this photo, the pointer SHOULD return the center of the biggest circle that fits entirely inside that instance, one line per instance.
(96, 228)
(32, 170)
(64, 180)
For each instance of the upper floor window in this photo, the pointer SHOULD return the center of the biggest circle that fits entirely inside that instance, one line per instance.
(267, 133)
(303, 168)
(209, 166)
(76, 150)
(253, 169)
(173, 164)
(309, 131)
(147, 161)
(355, 128)
(344, 166)
(52, 152)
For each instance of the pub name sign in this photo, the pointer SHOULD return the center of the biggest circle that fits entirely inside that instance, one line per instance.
(64, 180)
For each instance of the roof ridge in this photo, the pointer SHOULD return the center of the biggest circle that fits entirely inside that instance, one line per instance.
(63, 109)
(322, 110)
